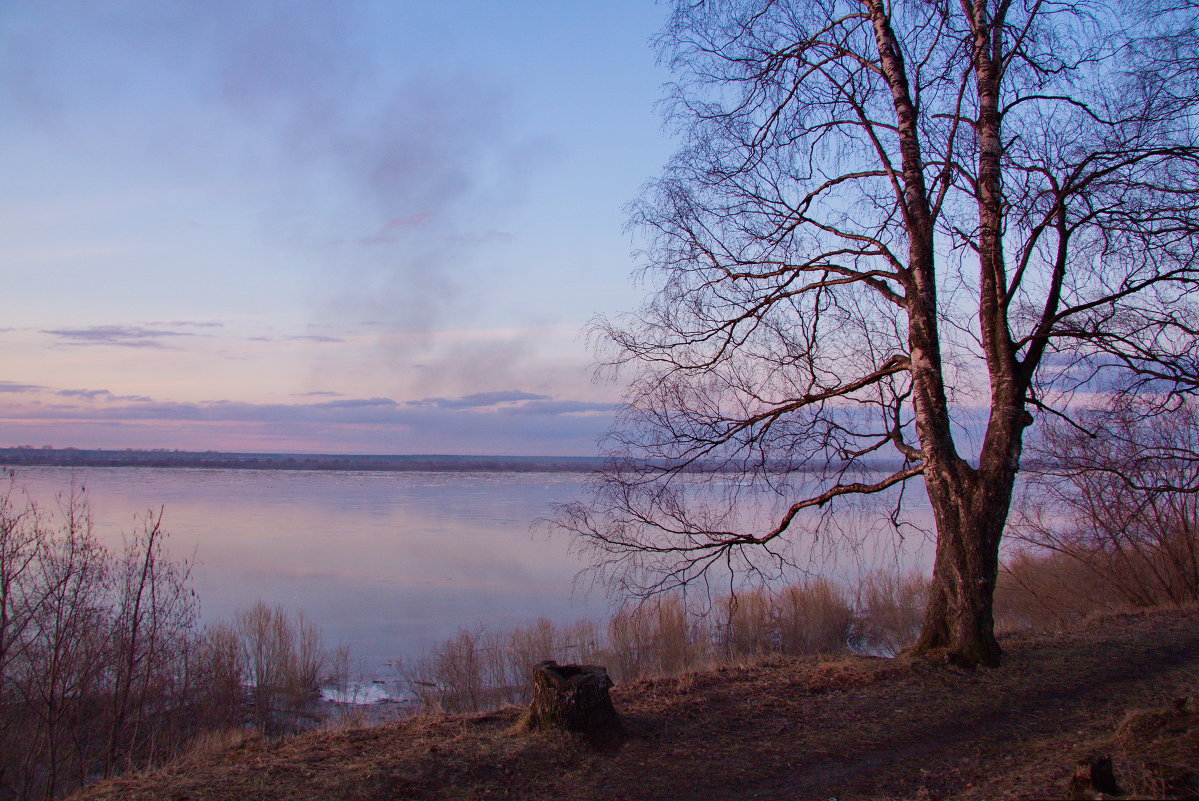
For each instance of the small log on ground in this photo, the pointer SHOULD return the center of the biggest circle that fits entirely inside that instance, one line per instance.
(573, 697)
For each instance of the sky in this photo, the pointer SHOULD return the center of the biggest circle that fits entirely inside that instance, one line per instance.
(294, 226)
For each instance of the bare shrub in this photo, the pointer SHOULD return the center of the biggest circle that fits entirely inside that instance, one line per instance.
(1110, 521)
(22, 538)
(528, 645)
(95, 648)
(219, 669)
(1116, 497)
(101, 667)
(151, 637)
(1046, 591)
(452, 677)
(284, 657)
(581, 642)
(63, 651)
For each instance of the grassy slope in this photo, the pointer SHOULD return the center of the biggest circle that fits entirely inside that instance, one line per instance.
(848, 727)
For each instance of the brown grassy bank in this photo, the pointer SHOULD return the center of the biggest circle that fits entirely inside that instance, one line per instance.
(784, 728)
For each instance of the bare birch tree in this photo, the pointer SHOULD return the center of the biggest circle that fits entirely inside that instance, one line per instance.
(894, 231)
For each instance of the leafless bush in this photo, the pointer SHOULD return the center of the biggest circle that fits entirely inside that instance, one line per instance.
(1045, 591)
(219, 670)
(580, 642)
(151, 637)
(95, 648)
(462, 674)
(101, 666)
(1113, 507)
(284, 659)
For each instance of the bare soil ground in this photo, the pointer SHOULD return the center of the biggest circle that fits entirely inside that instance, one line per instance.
(794, 728)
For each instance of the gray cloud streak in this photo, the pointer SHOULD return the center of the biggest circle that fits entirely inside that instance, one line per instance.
(125, 336)
(10, 386)
(480, 399)
(102, 394)
(486, 406)
(514, 422)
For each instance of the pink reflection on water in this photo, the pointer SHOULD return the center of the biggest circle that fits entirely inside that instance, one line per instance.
(387, 562)
(391, 563)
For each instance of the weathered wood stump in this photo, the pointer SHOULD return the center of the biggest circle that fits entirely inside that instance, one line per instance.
(573, 697)
(1094, 778)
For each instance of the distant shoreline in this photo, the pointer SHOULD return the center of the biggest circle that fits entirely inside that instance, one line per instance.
(86, 457)
(25, 456)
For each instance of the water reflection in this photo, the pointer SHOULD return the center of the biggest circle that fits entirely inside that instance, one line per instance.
(387, 562)
(391, 563)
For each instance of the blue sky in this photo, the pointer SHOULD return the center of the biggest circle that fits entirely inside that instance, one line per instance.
(373, 227)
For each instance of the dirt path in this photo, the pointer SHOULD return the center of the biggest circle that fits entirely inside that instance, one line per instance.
(968, 737)
(787, 729)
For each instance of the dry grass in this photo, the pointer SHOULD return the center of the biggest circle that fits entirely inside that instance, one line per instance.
(655, 639)
(1158, 751)
(890, 609)
(479, 669)
(219, 741)
(785, 727)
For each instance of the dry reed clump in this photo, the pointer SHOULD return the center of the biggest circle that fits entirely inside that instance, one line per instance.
(890, 611)
(814, 618)
(810, 617)
(477, 670)
(658, 638)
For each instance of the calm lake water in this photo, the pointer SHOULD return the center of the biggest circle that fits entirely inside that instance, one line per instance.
(388, 563)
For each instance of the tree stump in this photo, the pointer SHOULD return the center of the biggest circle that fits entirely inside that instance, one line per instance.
(572, 697)
(1094, 778)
